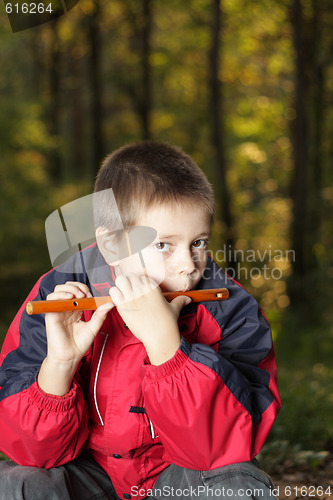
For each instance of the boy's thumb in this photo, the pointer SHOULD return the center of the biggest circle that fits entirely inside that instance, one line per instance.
(99, 316)
(179, 302)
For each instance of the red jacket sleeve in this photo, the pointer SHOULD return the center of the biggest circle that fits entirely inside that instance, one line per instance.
(41, 430)
(36, 429)
(213, 405)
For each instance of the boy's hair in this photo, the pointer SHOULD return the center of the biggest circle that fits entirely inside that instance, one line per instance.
(146, 173)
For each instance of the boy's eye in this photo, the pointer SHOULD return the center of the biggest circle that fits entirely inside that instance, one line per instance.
(199, 244)
(162, 247)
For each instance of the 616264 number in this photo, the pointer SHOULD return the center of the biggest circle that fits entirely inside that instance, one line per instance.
(307, 491)
(28, 8)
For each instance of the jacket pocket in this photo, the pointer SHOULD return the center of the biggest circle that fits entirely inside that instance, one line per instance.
(249, 472)
(149, 431)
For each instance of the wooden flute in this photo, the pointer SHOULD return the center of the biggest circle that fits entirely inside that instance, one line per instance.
(92, 303)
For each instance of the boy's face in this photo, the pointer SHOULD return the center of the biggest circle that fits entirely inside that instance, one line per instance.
(176, 259)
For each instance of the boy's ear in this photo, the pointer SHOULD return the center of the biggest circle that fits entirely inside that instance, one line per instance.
(106, 245)
(118, 245)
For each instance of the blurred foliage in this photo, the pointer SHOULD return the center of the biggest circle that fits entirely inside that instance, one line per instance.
(304, 356)
(47, 118)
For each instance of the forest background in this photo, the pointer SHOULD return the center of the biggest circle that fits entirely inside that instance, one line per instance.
(246, 88)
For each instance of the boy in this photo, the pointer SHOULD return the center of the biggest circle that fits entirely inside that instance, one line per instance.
(147, 398)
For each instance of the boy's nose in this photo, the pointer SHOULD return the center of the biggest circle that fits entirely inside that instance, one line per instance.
(185, 263)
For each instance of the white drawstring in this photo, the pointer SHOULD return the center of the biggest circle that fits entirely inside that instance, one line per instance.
(95, 384)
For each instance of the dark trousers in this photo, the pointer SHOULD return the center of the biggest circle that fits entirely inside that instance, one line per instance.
(84, 479)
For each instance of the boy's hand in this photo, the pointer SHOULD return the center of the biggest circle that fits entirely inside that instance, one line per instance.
(68, 339)
(148, 315)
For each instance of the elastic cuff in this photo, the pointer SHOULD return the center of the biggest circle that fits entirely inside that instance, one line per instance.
(55, 396)
(181, 356)
(51, 402)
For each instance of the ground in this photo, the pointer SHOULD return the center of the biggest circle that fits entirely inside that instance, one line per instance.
(305, 481)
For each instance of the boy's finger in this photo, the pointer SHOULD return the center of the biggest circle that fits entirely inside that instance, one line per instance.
(80, 286)
(123, 284)
(116, 295)
(76, 288)
(178, 303)
(147, 280)
(105, 307)
(98, 318)
(59, 295)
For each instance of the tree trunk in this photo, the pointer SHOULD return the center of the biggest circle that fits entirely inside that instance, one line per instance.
(78, 149)
(300, 150)
(140, 16)
(53, 114)
(218, 131)
(96, 88)
(318, 66)
(146, 70)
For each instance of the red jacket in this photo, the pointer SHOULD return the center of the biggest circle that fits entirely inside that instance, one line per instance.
(212, 404)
